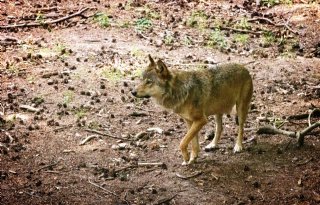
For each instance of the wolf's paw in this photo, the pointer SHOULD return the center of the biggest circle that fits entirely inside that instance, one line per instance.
(184, 163)
(192, 160)
(237, 148)
(210, 147)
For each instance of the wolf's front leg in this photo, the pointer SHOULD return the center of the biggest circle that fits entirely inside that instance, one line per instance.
(195, 150)
(192, 133)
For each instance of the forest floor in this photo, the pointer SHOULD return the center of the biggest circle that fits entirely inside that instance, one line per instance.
(71, 133)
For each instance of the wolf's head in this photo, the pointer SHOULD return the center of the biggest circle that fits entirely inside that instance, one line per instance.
(154, 81)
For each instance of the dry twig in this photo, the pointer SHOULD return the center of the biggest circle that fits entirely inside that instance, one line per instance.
(240, 30)
(29, 108)
(34, 24)
(274, 24)
(106, 135)
(47, 166)
(165, 200)
(188, 177)
(313, 111)
(87, 139)
(107, 191)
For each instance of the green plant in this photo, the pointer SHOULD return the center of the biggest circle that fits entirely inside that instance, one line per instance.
(198, 19)
(128, 5)
(124, 24)
(269, 3)
(68, 97)
(217, 38)
(102, 19)
(267, 39)
(112, 74)
(241, 38)
(243, 24)
(94, 125)
(61, 49)
(13, 69)
(143, 24)
(137, 72)
(151, 13)
(40, 18)
(136, 52)
(187, 40)
(168, 39)
(80, 112)
(38, 100)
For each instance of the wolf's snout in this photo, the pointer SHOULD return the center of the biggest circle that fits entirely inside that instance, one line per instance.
(134, 93)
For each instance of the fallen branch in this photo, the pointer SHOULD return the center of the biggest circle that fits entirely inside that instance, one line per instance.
(165, 200)
(298, 135)
(29, 108)
(106, 135)
(79, 13)
(240, 30)
(274, 24)
(107, 191)
(188, 177)
(305, 162)
(87, 139)
(142, 164)
(47, 166)
(313, 111)
(11, 139)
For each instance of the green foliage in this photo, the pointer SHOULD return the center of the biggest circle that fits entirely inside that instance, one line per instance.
(136, 52)
(143, 24)
(112, 74)
(168, 39)
(150, 13)
(124, 24)
(40, 18)
(80, 113)
(13, 69)
(267, 39)
(102, 19)
(241, 38)
(217, 39)
(198, 19)
(68, 97)
(38, 100)
(243, 24)
(187, 40)
(271, 3)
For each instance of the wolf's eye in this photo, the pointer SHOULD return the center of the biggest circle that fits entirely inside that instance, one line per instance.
(149, 81)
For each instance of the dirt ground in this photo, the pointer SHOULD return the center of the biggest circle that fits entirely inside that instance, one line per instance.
(71, 133)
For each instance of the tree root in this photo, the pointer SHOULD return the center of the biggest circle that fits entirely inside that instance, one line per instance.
(299, 135)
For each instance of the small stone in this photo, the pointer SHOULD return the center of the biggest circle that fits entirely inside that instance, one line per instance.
(159, 43)
(73, 67)
(50, 82)
(115, 147)
(122, 146)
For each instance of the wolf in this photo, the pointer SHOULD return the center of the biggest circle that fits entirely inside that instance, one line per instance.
(197, 94)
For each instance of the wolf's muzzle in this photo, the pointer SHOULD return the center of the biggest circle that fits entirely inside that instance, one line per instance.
(135, 94)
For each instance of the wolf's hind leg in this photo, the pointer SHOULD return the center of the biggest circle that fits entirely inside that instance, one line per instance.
(213, 144)
(242, 106)
(242, 111)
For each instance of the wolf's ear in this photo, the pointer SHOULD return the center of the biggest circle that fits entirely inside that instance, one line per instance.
(162, 69)
(152, 63)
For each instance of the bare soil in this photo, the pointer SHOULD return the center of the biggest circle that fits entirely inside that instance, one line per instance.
(77, 75)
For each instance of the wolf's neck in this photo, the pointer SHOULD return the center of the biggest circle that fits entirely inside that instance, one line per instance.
(175, 96)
